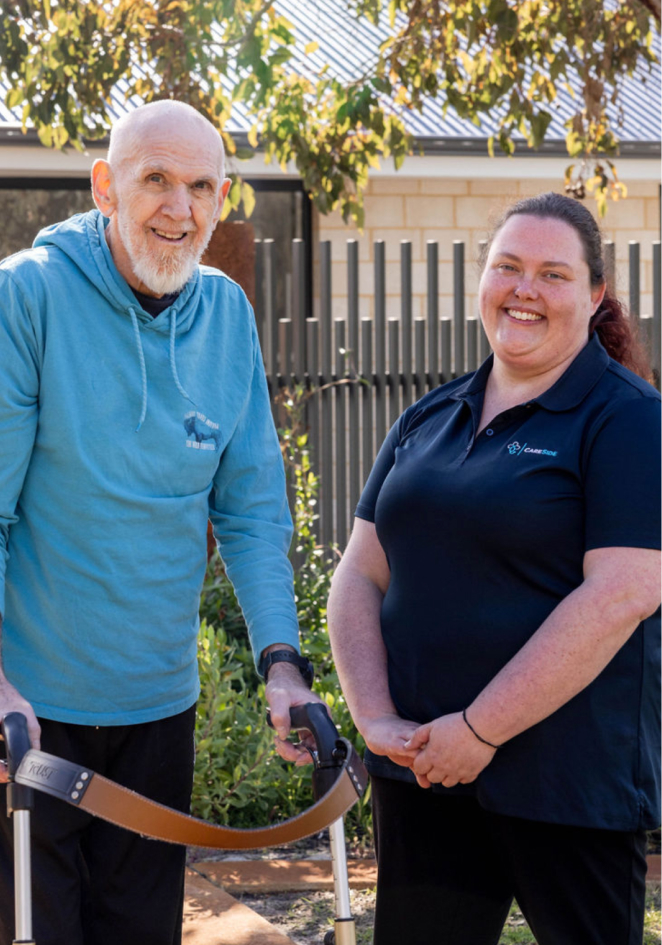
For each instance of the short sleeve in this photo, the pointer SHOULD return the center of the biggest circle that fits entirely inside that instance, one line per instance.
(622, 479)
(380, 470)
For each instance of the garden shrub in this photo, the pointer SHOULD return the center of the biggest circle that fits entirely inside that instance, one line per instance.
(239, 779)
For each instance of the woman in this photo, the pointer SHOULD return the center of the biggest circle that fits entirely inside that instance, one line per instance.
(491, 619)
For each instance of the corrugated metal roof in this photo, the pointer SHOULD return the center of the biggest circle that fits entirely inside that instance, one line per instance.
(350, 47)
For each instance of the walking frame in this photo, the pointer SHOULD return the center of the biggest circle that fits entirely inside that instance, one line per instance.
(339, 780)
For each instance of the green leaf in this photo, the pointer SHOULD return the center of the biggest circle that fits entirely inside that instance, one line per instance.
(14, 98)
(248, 197)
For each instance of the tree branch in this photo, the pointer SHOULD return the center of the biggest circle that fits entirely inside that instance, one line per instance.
(653, 6)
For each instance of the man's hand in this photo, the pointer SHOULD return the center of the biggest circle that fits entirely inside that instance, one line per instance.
(388, 735)
(453, 755)
(12, 701)
(286, 688)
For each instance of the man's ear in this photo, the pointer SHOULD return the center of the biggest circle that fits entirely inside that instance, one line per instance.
(103, 190)
(225, 186)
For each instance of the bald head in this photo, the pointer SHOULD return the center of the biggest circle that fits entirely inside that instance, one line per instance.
(163, 189)
(138, 126)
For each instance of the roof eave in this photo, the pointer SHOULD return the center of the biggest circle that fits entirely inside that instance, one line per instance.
(452, 147)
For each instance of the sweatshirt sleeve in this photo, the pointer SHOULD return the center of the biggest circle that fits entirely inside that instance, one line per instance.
(251, 519)
(19, 407)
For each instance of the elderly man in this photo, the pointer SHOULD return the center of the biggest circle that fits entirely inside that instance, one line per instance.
(133, 406)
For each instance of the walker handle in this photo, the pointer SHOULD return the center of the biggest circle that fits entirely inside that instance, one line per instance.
(14, 727)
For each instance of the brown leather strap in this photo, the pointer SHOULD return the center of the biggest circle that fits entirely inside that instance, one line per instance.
(97, 795)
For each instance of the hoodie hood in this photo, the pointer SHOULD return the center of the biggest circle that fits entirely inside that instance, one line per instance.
(91, 254)
(82, 238)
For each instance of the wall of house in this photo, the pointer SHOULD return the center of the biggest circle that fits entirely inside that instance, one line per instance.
(447, 209)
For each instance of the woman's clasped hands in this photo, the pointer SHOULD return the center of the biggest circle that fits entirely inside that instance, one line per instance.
(447, 752)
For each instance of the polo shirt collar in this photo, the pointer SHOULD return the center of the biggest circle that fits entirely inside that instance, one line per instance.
(579, 378)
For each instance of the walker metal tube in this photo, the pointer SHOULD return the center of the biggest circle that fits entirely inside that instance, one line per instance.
(344, 926)
(22, 876)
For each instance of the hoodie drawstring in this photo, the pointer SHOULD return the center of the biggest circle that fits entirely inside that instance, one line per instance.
(173, 363)
(143, 369)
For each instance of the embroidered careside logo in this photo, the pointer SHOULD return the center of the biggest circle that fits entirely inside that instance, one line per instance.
(201, 433)
(515, 449)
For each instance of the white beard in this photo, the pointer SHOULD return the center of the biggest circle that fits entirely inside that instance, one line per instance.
(165, 272)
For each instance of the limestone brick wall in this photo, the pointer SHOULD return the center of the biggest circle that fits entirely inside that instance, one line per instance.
(406, 208)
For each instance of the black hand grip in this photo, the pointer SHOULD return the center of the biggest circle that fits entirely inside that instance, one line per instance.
(314, 717)
(17, 741)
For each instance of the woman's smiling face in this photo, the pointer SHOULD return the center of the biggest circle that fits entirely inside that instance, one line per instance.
(535, 294)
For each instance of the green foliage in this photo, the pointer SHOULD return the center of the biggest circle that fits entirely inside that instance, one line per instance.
(60, 60)
(239, 779)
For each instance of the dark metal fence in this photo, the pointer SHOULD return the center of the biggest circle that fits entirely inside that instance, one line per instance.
(365, 371)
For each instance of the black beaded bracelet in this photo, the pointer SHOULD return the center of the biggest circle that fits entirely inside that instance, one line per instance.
(480, 739)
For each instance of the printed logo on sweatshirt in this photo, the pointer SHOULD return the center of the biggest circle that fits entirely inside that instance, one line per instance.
(515, 449)
(201, 433)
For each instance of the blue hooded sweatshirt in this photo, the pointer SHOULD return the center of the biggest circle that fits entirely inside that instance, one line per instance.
(119, 436)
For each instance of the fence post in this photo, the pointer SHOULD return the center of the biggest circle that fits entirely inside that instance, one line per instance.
(657, 304)
(326, 457)
(458, 306)
(446, 340)
(313, 405)
(405, 320)
(633, 255)
(381, 381)
(259, 295)
(269, 301)
(433, 312)
(393, 369)
(299, 307)
(352, 393)
(419, 357)
(341, 429)
(610, 265)
(367, 388)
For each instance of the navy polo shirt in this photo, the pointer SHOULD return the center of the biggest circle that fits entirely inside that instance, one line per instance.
(485, 534)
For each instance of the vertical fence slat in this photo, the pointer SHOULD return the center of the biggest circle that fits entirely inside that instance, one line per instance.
(472, 344)
(341, 450)
(326, 420)
(458, 307)
(419, 357)
(635, 296)
(313, 404)
(285, 351)
(609, 250)
(433, 312)
(259, 289)
(657, 304)
(446, 352)
(299, 307)
(393, 370)
(366, 392)
(352, 391)
(646, 333)
(269, 302)
(483, 343)
(353, 302)
(405, 320)
(381, 391)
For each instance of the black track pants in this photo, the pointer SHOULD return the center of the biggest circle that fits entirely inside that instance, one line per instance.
(93, 883)
(449, 870)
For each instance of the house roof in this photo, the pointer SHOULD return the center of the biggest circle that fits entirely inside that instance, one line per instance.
(350, 45)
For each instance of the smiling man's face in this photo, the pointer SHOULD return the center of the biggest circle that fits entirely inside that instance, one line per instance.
(165, 194)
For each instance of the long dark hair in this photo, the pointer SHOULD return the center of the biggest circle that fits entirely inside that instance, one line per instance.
(611, 323)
